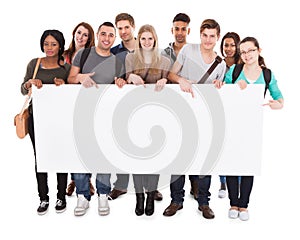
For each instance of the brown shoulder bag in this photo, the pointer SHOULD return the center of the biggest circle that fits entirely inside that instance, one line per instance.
(21, 119)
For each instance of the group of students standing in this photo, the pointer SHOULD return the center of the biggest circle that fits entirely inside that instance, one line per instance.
(139, 61)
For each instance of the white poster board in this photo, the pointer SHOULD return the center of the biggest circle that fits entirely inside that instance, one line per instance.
(138, 130)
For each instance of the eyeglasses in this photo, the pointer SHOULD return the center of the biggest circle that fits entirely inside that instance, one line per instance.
(243, 53)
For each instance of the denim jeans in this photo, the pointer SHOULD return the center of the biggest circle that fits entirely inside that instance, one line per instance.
(72, 176)
(83, 186)
(239, 194)
(223, 179)
(204, 194)
(177, 191)
(176, 188)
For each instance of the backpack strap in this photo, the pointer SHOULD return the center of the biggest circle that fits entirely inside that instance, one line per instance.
(237, 71)
(267, 77)
(83, 58)
(211, 69)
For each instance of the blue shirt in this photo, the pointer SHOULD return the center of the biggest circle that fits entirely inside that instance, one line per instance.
(120, 51)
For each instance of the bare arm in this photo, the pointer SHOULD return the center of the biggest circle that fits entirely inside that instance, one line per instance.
(185, 85)
(73, 75)
(275, 104)
(173, 74)
(85, 79)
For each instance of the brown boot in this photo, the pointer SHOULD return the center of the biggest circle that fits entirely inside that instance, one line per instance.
(70, 188)
(194, 189)
(158, 196)
(92, 189)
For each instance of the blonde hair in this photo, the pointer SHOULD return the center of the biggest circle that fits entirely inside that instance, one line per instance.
(139, 61)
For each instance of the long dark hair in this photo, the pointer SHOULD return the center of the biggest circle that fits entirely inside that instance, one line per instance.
(59, 37)
(261, 60)
(236, 39)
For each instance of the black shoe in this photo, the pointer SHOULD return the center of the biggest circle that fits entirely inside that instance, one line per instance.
(60, 205)
(149, 208)
(139, 208)
(43, 208)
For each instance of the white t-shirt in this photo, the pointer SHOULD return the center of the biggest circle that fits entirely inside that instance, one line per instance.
(194, 67)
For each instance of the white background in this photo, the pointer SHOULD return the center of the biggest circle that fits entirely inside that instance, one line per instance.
(273, 207)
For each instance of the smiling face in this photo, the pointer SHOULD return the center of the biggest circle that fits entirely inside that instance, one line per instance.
(209, 38)
(125, 30)
(147, 41)
(51, 46)
(229, 47)
(81, 36)
(180, 30)
(106, 37)
(249, 52)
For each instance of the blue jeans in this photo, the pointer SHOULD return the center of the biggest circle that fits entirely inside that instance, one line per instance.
(82, 182)
(239, 193)
(223, 179)
(204, 194)
(177, 191)
(72, 176)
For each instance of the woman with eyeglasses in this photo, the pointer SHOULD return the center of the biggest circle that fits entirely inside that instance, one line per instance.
(251, 73)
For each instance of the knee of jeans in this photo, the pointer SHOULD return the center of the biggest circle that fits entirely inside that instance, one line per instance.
(80, 176)
(103, 177)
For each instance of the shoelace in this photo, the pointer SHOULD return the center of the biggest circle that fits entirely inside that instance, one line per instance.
(59, 202)
(43, 204)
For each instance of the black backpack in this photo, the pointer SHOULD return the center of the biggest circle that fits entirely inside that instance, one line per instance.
(85, 55)
(83, 58)
(266, 72)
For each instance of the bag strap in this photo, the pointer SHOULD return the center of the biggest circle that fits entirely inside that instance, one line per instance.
(34, 74)
(36, 68)
(28, 97)
(83, 58)
(237, 71)
(267, 77)
(211, 69)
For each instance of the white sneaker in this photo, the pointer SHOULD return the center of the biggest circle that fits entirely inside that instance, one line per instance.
(233, 213)
(222, 193)
(82, 205)
(244, 215)
(103, 207)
